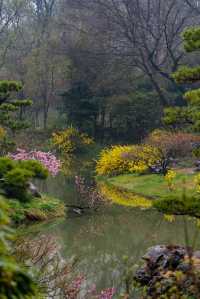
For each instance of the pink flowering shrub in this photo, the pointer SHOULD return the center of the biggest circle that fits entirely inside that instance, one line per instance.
(48, 160)
(72, 290)
(107, 294)
(104, 294)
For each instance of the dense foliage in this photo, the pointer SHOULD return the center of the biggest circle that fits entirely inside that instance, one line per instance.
(187, 117)
(16, 177)
(101, 76)
(184, 205)
(15, 283)
(10, 106)
(109, 117)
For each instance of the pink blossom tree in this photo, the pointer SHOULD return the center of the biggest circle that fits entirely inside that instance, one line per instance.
(47, 159)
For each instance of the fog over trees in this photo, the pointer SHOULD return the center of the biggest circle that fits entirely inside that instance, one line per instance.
(102, 65)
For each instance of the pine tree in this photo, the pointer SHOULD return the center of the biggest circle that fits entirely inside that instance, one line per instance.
(11, 108)
(188, 116)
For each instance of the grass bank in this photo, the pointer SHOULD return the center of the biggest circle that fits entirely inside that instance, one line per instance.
(38, 209)
(148, 191)
(153, 186)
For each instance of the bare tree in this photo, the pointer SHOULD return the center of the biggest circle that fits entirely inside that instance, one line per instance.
(40, 56)
(145, 33)
(194, 5)
(10, 13)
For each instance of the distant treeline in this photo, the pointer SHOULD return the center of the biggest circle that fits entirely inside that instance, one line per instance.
(103, 66)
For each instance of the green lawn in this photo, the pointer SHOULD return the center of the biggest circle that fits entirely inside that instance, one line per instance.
(153, 185)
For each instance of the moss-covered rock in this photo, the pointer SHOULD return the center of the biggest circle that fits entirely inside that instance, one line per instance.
(169, 272)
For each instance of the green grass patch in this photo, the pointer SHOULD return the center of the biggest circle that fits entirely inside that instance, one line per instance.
(38, 209)
(153, 185)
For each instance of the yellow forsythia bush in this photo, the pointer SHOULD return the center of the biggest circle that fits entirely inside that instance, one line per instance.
(169, 177)
(127, 159)
(112, 162)
(70, 141)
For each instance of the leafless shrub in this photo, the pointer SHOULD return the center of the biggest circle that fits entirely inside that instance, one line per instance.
(56, 277)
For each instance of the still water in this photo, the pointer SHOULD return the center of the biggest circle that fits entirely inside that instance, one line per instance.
(101, 240)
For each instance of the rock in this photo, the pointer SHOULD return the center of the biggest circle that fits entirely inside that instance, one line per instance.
(155, 253)
(77, 211)
(143, 276)
(34, 191)
(162, 263)
(175, 254)
(34, 216)
(183, 267)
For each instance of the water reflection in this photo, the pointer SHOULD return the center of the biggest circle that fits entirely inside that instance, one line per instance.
(124, 198)
(101, 240)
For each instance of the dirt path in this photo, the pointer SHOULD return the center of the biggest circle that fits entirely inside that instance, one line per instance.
(189, 170)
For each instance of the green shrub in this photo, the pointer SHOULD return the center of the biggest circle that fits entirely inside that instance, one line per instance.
(16, 211)
(6, 164)
(35, 167)
(16, 175)
(14, 281)
(179, 205)
(16, 183)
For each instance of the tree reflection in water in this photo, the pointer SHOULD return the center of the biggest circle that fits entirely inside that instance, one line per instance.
(102, 240)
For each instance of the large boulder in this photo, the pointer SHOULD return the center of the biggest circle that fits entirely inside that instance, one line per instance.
(167, 268)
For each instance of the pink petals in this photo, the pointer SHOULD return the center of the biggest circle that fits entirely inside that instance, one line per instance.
(107, 293)
(104, 294)
(47, 159)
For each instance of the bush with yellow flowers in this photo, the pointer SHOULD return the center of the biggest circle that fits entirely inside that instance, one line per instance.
(127, 159)
(169, 178)
(71, 141)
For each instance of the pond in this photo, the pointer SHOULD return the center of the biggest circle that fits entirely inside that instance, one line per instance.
(101, 240)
